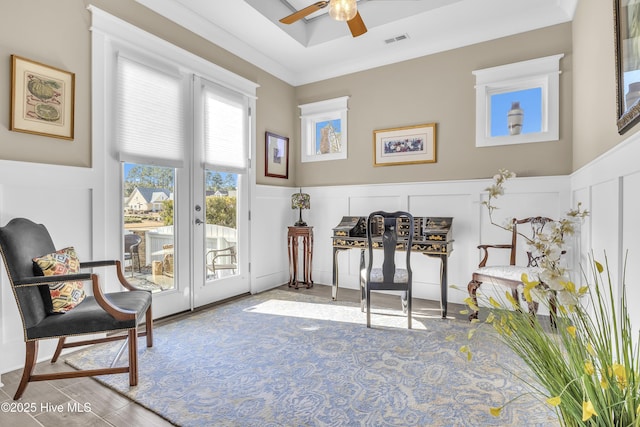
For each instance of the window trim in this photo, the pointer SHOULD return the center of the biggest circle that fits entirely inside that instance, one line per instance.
(541, 73)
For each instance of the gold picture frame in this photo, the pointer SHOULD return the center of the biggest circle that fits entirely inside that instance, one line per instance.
(42, 99)
(405, 145)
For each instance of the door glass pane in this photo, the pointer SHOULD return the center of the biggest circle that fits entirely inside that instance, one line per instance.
(221, 193)
(149, 239)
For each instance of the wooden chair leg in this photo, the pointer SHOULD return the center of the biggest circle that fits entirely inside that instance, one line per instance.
(29, 365)
(133, 357)
(149, 327)
(59, 348)
(472, 288)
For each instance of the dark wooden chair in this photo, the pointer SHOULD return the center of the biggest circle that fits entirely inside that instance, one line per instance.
(21, 242)
(385, 230)
(510, 275)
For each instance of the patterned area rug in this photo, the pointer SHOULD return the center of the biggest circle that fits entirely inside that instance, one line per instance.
(288, 359)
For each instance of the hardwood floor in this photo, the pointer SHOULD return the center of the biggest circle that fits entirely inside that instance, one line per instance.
(85, 402)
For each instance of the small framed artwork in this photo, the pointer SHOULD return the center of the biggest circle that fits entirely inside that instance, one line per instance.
(518, 103)
(405, 145)
(627, 34)
(276, 155)
(324, 130)
(42, 99)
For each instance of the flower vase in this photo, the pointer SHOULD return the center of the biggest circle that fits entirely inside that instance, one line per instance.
(515, 117)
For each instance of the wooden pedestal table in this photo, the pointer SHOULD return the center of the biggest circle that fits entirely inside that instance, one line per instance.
(293, 243)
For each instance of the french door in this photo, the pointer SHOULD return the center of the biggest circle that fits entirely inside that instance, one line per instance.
(221, 193)
(186, 227)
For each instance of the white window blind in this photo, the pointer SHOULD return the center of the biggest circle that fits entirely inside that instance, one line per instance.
(225, 130)
(150, 126)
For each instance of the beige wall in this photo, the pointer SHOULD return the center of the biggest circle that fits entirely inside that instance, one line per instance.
(440, 88)
(595, 110)
(58, 34)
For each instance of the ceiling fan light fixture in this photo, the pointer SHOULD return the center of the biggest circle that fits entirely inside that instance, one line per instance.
(343, 10)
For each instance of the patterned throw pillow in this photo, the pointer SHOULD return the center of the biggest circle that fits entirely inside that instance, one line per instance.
(65, 295)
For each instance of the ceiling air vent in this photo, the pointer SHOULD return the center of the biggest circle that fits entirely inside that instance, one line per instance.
(397, 38)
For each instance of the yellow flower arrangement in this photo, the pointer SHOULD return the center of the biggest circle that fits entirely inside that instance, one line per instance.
(588, 367)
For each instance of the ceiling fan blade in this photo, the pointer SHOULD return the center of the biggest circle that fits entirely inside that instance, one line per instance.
(356, 25)
(296, 16)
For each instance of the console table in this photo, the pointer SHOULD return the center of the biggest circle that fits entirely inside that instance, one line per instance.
(293, 237)
(432, 237)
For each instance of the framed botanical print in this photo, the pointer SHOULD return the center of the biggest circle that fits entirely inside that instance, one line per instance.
(42, 99)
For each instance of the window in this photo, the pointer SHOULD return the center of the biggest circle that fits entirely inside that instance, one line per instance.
(324, 130)
(518, 103)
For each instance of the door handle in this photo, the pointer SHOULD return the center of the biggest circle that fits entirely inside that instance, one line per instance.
(199, 221)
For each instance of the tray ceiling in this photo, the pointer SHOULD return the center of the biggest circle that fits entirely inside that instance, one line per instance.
(319, 47)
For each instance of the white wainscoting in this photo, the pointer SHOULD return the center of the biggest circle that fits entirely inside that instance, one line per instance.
(610, 186)
(458, 199)
(270, 214)
(548, 196)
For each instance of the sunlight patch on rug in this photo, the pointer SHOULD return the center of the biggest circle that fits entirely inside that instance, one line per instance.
(336, 312)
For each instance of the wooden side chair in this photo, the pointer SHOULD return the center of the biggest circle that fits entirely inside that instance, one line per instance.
(384, 231)
(48, 289)
(510, 275)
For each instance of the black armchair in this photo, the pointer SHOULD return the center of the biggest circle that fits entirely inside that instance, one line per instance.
(21, 243)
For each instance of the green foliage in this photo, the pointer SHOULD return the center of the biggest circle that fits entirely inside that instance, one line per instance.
(166, 214)
(148, 177)
(214, 181)
(221, 211)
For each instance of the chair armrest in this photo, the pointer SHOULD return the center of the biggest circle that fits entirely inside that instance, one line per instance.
(107, 263)
(224, 252)
(92, 264)
(45, 280)
(485, 252)
(114, 311)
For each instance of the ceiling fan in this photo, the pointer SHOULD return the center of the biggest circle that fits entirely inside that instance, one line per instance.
(340, 10)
